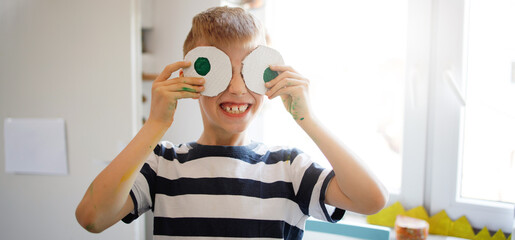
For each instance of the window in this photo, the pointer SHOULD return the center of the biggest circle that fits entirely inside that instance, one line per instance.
(488, 161)
(356, 67)
(472, 123)
(403, 84)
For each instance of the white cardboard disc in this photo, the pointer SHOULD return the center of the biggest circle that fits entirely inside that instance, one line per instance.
(220, 74)
(255, 64)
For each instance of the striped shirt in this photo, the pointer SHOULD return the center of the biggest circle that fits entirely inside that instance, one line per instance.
(230, 192)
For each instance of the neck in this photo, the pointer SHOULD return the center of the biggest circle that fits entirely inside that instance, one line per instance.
(239, 139)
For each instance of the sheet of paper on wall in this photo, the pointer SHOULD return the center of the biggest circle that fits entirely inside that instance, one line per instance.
(35, 146)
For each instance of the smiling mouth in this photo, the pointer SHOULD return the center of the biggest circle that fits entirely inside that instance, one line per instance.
(234, 108)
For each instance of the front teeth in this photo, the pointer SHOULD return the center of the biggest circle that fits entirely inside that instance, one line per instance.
(236, 109)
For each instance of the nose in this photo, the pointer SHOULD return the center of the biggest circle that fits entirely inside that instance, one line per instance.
(237, 84)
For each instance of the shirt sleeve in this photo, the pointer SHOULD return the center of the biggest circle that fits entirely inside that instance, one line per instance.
(143, 190)
(310, 182)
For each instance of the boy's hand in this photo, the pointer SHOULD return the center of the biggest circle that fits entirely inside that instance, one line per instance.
(354, 187)
(293, 89)
(166, 92)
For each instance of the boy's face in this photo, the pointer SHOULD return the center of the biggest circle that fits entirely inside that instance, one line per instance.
(231, 111)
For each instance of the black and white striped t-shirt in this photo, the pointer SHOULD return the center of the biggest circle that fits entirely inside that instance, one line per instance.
(230, 192)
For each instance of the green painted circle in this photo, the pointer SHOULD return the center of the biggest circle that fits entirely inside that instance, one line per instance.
(268, 75)
(202, 66)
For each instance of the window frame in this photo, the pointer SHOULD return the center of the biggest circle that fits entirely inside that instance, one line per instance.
(445, 123)
(415, 105)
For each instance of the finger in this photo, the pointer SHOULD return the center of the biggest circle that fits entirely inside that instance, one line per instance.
(284, 84)
(186, 80)
(185, 87)
(189, 95)
(184, 94)
(282, 68)
(171, 68)
(282, 76)
(285, 91)
(177, 90)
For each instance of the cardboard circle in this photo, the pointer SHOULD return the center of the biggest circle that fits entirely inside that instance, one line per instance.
(255, 65)
(220, 72)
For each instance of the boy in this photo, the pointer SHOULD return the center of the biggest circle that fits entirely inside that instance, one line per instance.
(223, 185)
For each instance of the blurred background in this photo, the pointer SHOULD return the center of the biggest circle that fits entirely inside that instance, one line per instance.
(423, 91)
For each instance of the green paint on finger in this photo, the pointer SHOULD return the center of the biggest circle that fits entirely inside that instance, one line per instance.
(90, 227)
(187, 89)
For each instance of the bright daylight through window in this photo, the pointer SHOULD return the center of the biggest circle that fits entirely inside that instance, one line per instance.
(488, 165)
(354, 56)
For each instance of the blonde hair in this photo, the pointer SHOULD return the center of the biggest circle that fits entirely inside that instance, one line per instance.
(224, 26)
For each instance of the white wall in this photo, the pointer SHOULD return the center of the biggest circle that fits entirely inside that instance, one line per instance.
(67, 59)
(76, 60)
(170, 25)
